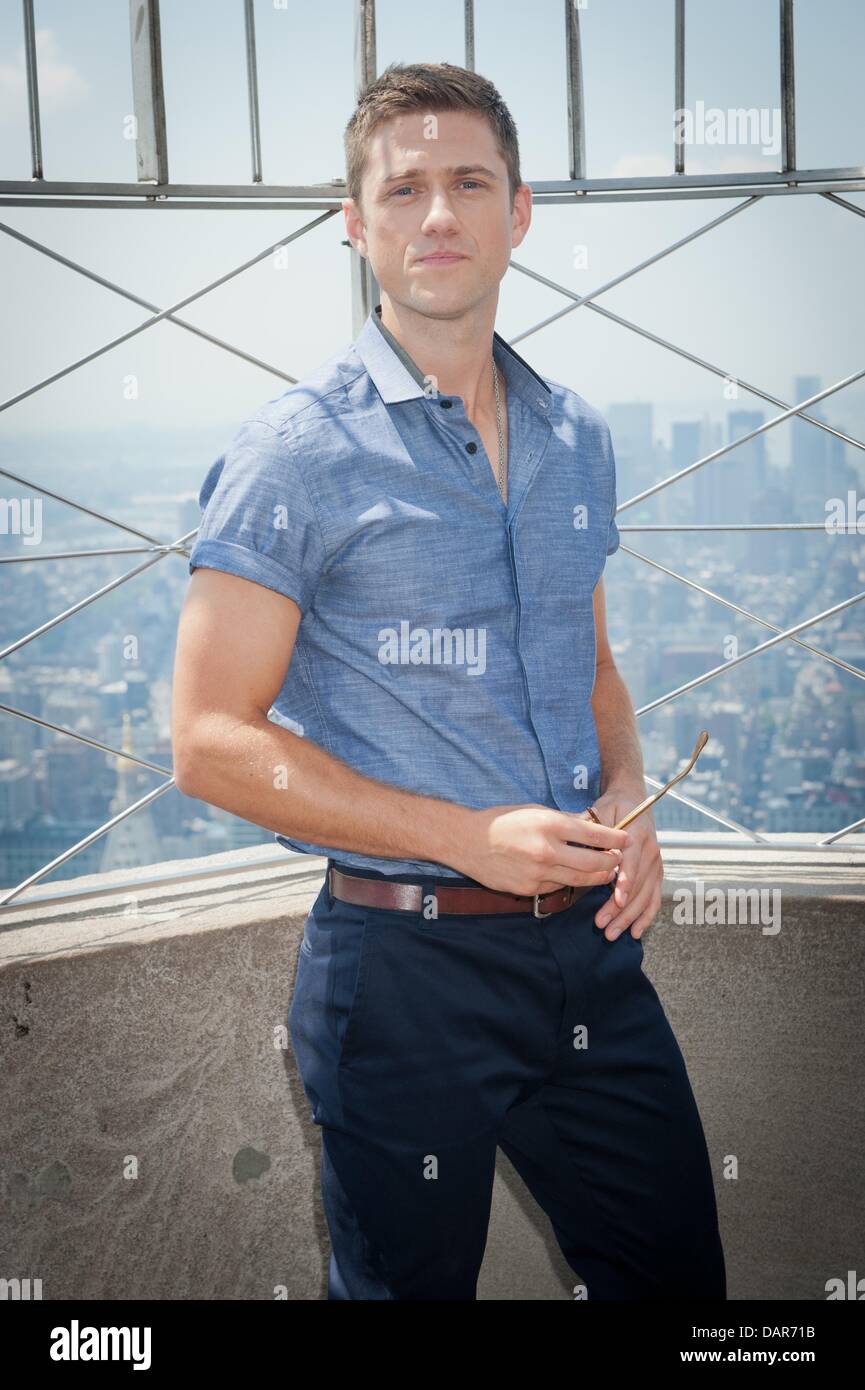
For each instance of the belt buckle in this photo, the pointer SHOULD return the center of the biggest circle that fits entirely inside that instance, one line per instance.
(570, 892)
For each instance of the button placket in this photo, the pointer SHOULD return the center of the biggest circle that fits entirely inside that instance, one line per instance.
(460, 422)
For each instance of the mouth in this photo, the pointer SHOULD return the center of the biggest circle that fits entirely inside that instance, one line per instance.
(440, 258)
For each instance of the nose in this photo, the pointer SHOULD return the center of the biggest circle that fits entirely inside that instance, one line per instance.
(439, 215)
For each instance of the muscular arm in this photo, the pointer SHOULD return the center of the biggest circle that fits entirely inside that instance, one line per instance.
(234, 645)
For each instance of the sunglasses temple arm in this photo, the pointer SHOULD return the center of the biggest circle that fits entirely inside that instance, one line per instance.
(650, 800)
(656, 796)
(638, 810)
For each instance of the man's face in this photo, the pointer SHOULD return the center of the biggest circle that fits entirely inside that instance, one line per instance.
(437, 224)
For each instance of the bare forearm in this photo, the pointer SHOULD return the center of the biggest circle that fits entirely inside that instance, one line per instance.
(276, 779)
(618, 740)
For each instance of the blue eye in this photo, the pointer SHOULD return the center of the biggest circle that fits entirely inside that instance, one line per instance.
(410, 187)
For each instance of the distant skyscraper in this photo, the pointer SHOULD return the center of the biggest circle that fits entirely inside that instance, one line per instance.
(810, 453)
(135, 840)
(631, 428)
(691, 441)
(687, 438)
(710, 494)
(749, 458)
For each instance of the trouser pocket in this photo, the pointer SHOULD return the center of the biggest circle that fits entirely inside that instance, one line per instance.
(327, 1006)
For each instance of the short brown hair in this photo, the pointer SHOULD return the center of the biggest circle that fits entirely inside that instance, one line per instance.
(426, 87)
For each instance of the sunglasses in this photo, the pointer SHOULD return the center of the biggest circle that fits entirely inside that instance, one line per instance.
(702, 740)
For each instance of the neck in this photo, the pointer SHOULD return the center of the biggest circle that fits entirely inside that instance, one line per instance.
(456, 353)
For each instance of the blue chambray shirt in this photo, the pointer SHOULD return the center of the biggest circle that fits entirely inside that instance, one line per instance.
(447, 643)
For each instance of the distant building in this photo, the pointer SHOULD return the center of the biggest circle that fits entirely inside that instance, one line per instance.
(631, 430)
(134, 842)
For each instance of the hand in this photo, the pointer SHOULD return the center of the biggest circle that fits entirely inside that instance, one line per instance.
(636, 898)
(530, 849)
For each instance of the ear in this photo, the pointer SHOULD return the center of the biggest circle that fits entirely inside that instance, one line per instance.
(522, 213)
(354, 226)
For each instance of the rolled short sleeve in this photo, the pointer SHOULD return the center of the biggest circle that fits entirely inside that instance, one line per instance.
(257, 518)
(612, 530)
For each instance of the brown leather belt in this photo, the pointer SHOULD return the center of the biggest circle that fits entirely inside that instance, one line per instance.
(408, 897)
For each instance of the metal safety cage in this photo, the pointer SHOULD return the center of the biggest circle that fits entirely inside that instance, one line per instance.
(154, 190)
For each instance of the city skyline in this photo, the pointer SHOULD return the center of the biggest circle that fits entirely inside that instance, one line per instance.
(751, 773)
(768, 297)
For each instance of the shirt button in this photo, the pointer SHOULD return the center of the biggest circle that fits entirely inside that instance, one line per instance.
(446, 405)
(471, 447)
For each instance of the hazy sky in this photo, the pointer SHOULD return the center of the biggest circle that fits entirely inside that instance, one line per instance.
(776, 291)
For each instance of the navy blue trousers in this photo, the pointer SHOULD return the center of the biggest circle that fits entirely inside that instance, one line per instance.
(425, 1044)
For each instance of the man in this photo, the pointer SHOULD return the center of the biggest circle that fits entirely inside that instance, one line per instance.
(394, 653)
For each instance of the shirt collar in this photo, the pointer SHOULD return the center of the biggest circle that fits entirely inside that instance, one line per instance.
(397, 377)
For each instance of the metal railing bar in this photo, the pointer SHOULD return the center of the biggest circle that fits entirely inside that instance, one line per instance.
(252, 87)
(589, 299)
(687, 182)
(677, 840)
(144, 303)
(788, 88)
(580, 299)
(365, 62)
(719, 371)
(837, 835)
(679, 81)
(82, 738)
(32, 91)
(86, 842)
(334, 205)
(335, 189)
(672, 195)
(80, 507)
(90, 554)
(745, 612)
(713, 815)
(575, 95)
(743, 439)
(81, 604)
(746, 656)
(263, 205)
(163, 313)
(469, 33)
(842, 203)
(148, 99)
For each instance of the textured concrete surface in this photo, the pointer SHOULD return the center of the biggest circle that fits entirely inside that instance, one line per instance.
(156, 1140)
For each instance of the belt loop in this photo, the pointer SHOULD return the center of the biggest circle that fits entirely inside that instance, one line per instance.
(327, 884)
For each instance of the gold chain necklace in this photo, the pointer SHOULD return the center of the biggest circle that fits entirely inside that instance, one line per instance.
(499, 429)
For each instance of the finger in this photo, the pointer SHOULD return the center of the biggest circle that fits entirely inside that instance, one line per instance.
(579, 830)
(613, 922)
(584, 858)
(628, 875)
(644, 921)
(565, 877)
(642, 914)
